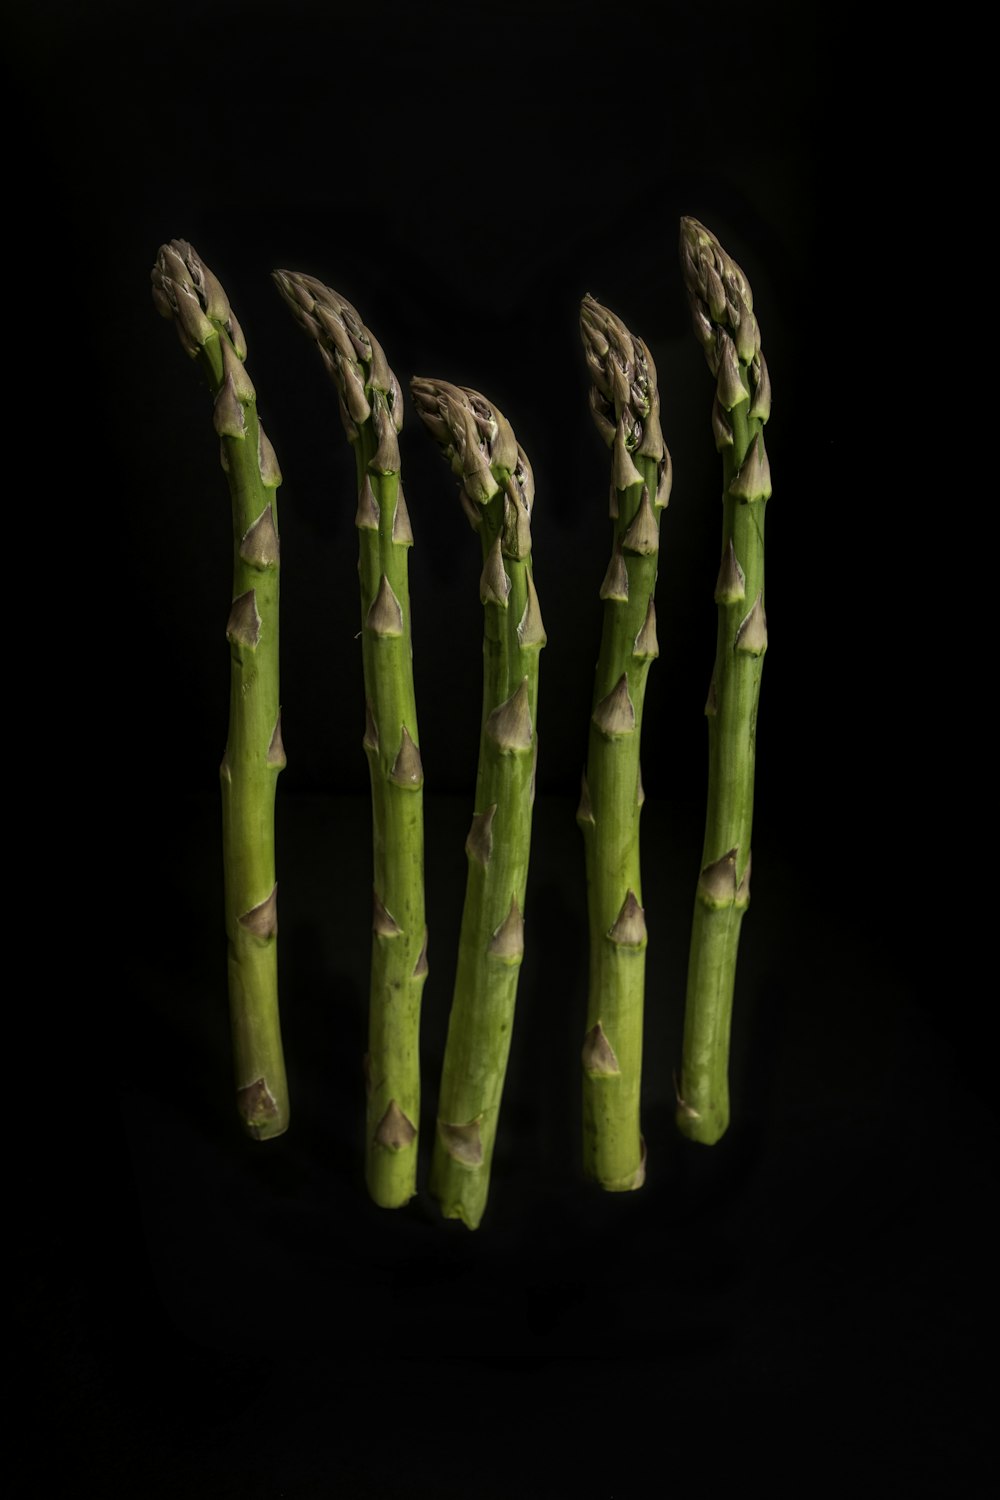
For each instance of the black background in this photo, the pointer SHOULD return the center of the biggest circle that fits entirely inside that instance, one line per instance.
(214, 1317)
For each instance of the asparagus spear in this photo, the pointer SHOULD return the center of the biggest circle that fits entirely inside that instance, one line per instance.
(497, 495)
(371, 407)
(625, 407)
(724, 322)
(185, 290)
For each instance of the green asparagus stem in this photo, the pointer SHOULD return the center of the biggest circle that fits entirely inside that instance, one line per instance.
(185, 290)
(625, 407)
(371, 407)
(497, 494)
(724, 322)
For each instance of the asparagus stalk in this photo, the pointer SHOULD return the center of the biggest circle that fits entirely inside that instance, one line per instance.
(724, 322)
(497, 495)
(625, 406)
(185, 290)
(371, 408)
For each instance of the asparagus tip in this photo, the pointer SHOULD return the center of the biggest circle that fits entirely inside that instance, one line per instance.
(474, 435)
(185, 290)
(721, 304)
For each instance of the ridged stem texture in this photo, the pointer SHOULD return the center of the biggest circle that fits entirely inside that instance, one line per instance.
(185, 290)
(724, 322)
(497, 495)
(625, 407)
(371, 409)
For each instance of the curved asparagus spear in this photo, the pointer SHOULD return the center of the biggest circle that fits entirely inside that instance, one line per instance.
(497, 494)
(371, 407)
(625, 407)
(185, 290)
(724, 322)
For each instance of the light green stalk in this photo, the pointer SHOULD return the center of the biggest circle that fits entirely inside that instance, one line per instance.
(625, 406)
(497, 495)
(185, 290)
(724, 322)
(371, 407)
